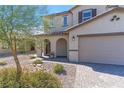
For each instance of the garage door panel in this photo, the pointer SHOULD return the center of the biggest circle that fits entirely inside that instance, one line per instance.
(102, 49)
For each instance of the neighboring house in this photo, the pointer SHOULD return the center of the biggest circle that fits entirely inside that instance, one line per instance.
(24, 46)
(86, 33)
(4, 48)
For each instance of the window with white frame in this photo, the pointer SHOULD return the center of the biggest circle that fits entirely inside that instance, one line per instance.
(65, 21)
(87, 14)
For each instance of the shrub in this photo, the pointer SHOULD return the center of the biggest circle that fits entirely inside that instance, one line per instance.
(58, 68)
(22, 52)
(38, 61)
(33, 56)
(38, 79)
(3, 63)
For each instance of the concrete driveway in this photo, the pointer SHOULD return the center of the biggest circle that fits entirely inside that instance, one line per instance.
(99, 75)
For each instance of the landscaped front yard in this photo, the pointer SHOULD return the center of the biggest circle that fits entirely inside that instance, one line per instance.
(67, 78)
(74, 75)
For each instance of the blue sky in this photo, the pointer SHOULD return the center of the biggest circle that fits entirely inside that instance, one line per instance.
(59, 8)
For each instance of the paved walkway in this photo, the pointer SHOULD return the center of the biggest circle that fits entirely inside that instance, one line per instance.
(97, 75)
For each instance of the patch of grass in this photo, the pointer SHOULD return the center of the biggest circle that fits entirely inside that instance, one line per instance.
(38, 79)
(38, 61)
(2, 63)
(58, 68)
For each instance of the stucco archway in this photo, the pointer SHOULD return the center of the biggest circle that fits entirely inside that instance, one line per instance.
(47, 47)
(61, 48)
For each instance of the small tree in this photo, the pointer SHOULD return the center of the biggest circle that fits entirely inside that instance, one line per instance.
(16, 23)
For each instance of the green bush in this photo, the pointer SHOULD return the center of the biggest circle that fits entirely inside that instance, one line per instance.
(3, 63)
(38, 61)
(58, 68)
(33, 57)
(22, 52)
(38, 79)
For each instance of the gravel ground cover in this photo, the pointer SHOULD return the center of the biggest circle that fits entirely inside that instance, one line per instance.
(67, 78)
(84, 75)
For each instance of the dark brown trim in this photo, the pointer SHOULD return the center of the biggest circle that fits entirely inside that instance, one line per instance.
(103, 34)
(80, 17)
(94, 12)
(73, 50)
(80, 14)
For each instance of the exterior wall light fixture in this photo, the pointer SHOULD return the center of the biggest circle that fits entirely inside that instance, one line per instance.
(112, 19)
(117, 18)
(114, 16)
(73, 38)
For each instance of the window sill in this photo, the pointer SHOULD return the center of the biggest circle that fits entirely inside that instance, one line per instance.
(65, 25)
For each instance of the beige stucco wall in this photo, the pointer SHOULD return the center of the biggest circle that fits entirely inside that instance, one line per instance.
(100, 25)
(100, 9)
(73, 16)
(53, 39)
(58, 22)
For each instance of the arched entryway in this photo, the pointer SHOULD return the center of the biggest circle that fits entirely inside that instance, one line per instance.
(47, 47)
(61, 48)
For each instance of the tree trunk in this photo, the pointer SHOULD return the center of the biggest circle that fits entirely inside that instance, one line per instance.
(14, 53)
(19, 69)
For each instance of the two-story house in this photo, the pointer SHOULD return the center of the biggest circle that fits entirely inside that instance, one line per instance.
(86, 33)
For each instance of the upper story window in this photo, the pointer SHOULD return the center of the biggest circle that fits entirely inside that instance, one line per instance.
(65, 21)
(86, 14)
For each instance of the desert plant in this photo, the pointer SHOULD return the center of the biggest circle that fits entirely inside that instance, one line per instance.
(38, 79)
(3, 63)
(58, 68)
(18, 23)
(33, 56)
(38, 61)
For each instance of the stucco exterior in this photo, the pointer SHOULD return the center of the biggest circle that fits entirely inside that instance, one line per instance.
(107, 22)
(73, 16)
(100, 10)
(58, 22)
(97, 26)
(53, 40)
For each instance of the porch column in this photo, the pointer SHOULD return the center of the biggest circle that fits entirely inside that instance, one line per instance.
(38, 47)
(53, 47)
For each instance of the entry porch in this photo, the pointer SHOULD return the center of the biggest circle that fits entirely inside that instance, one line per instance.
(52, 46)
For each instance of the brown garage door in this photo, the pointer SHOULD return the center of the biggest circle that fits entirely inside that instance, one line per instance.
(102, 49)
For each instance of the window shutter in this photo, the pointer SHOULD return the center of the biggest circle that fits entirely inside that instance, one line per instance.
(80, 17)
(94, 12)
